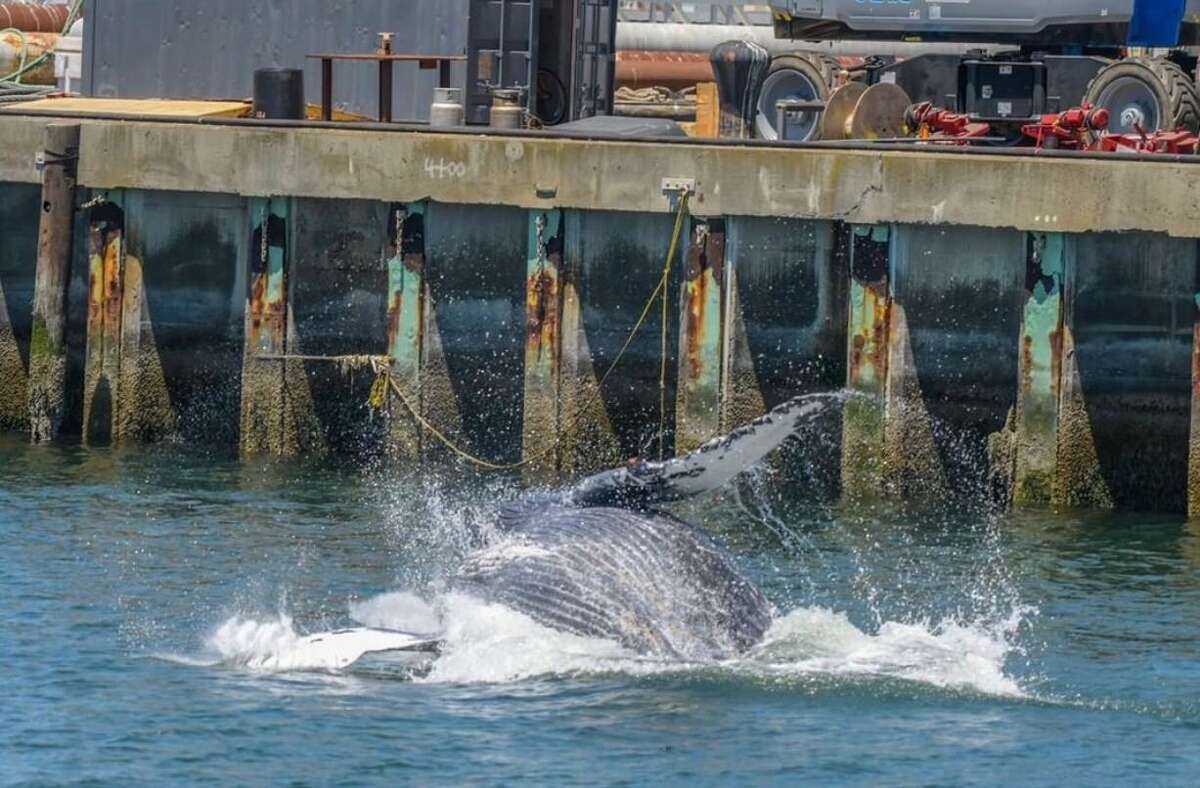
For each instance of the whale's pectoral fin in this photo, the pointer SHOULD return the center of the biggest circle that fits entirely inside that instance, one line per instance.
(707, 468)
(340, 649)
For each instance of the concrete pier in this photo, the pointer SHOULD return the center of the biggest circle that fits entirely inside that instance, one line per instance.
(19, 216)
(237, 285)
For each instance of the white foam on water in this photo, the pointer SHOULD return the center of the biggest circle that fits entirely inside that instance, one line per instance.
(276, 646)
(257, 645)
(947, 654)
(398, 610)
(489, 643)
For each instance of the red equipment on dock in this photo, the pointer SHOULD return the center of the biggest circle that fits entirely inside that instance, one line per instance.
(1070, 130)
(935, 124)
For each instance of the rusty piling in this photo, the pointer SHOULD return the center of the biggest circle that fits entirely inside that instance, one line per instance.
(698, 394)
(543, 337)
(102, 358)
(277, 415)
(867, 362)
(407, 295)
(1040, 370)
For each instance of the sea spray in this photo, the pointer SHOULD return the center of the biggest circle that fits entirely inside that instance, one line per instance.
(488, 643)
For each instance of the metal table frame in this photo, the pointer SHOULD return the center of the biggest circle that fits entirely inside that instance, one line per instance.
(386, 62)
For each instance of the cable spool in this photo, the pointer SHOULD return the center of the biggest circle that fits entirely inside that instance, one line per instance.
(857, 112)
(839, 108)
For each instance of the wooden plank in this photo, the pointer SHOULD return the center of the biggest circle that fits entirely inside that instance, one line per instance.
(160, 107)
(708, 111)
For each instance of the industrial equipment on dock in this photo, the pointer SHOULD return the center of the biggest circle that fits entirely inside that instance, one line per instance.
(1133, 59)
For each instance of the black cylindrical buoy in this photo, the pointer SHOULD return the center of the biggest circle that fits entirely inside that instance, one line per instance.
(739, 67)
(279, 93)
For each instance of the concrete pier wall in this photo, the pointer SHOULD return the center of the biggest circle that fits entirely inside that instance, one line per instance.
(18, 250)
(957, 294)
(1033, 357)
(1132, 307)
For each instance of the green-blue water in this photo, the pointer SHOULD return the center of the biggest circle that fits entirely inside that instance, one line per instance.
(912, 649)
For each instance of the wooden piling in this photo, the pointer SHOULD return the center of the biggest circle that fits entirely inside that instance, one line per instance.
(48, 352)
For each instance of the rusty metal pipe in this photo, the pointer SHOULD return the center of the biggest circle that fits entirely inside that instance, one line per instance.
(674, 70)
(34, 18)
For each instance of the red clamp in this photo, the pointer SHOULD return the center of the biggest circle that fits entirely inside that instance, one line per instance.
(935, 124)
(1068, 130)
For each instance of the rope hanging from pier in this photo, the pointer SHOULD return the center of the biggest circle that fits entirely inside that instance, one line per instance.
(386, 383)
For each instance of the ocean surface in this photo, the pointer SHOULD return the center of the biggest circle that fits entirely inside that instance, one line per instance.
(145, 597)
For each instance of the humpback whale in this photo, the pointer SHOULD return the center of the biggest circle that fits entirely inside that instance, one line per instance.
(602, 559)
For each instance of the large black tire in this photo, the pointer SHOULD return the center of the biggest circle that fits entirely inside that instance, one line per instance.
(1174, 92)
(800, 70)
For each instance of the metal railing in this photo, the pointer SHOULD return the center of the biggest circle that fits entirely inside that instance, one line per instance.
(695, 12)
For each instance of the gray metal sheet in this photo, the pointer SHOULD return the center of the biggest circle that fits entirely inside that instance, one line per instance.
(210, 48)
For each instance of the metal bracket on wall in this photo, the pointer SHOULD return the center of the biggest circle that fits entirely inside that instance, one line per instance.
(674, 188)
(44, 159)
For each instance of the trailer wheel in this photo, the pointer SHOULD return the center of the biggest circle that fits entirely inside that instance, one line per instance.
(1151, 93)
(791, 77)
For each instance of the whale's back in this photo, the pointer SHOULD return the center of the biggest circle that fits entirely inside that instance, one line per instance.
(646, 579)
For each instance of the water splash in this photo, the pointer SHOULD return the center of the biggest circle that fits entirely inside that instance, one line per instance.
(488, 643)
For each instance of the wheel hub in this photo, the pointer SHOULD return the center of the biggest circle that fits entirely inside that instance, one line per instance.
(1133, 104)
(780, 86)
(1133, 117)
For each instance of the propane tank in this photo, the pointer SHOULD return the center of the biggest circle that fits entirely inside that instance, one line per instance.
(447, 108)
(34, 45)
(507, 112)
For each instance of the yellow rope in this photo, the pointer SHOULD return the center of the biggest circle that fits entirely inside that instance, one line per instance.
(662, 284)
(662, 372)
(385, 374)
(381, 365)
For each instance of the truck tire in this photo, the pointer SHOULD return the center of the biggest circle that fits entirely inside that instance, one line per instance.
(791, 76)
(1154, 93)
